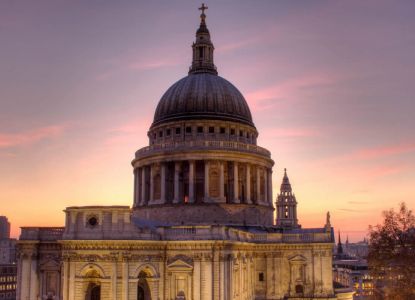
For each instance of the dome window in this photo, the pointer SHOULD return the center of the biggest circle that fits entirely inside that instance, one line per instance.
(232, 131)
(222, 130)
(161, 133)
(177, 130)
(200, 129)
(188, 129)
(241, 133)
(168, 132)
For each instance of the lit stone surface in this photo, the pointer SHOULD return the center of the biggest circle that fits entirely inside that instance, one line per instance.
(201, 226)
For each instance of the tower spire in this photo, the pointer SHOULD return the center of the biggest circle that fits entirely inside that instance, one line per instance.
(203, 48)
(286, 205)
(339, 245)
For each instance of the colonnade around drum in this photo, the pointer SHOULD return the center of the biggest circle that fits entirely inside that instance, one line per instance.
(202, 181)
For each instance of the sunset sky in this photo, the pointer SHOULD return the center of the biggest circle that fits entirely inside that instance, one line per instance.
(330, 84)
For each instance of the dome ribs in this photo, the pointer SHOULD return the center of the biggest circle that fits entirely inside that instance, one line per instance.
(202, 96)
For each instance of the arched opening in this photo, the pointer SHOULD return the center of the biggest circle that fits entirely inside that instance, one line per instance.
(143, 290)
(93, 292)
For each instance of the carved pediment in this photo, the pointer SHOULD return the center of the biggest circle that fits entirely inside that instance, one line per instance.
(180, 265)
(297, 259)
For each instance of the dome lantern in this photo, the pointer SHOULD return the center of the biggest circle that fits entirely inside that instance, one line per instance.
(202, 61)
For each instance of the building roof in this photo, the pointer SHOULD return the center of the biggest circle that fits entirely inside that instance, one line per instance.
(202, 96)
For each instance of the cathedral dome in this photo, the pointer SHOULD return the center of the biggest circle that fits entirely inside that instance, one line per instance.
(202, 95)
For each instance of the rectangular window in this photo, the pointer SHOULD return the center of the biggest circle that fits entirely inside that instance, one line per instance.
(200, 129)
(161, 134)
(261, 277)
(177, 130)
(241, 133)
(188, 129)
(222, 130)
(232, 131)
(211, 129)
(168, 132)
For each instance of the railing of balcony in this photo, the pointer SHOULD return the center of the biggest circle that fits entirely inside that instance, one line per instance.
(42, 233)
(202, 144)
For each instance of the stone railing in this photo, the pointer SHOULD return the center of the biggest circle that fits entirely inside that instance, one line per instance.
(226, 233)
(42, 233)
(293, 237)
(201, 145)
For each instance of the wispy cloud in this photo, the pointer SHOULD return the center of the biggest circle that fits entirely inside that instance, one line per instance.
(382, 151)
(351, 210)
(357, 202)
(268, 97)
(144, 65)
(8, 140)
(293, 132)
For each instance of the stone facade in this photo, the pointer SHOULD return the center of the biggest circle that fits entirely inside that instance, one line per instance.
(104, 247)
(202, 224)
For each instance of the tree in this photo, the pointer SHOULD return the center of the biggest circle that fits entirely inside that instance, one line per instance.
(391, 256)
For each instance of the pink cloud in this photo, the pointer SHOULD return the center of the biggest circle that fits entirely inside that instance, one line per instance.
(129, 132)
(237, 45)
(265, 98)
(376, 152)
(289, 132)
(28, 137)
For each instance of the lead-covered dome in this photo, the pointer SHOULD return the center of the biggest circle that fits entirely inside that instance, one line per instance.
(202, 96)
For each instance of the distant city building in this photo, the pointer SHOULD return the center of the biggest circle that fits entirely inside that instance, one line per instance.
(202, 224)
(8, 277)
(8, 268)
(350, 269)
(4, 228)
(7, 245)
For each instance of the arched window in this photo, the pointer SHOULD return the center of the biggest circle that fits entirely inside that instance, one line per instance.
(143, 290)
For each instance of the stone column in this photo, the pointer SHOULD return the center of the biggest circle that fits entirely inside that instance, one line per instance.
(125, 276)
(258, 185)
(222, 182)
(114, 279)
(206, 198)
(216, 275)
(135, 187)
(71, 293)
(24, 284)
(143, 185)
(269, 171)
(266, 200)
(248, 184)
(34, 280)
(196, 279)
(151, 184)
(191, 181)
(231, 284)
(235, 182)
(163, 183)
(203, 272)
(176, 181)
(65, 278)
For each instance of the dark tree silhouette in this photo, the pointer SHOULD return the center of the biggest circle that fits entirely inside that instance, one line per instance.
(391, 256)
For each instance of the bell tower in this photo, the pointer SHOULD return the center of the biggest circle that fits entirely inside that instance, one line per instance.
(286, 205)
(202, 61)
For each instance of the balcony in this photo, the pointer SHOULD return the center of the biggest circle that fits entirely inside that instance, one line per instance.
(201, 145)
(41, 233)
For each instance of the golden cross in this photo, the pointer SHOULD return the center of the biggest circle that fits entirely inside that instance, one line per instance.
(203, 8)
